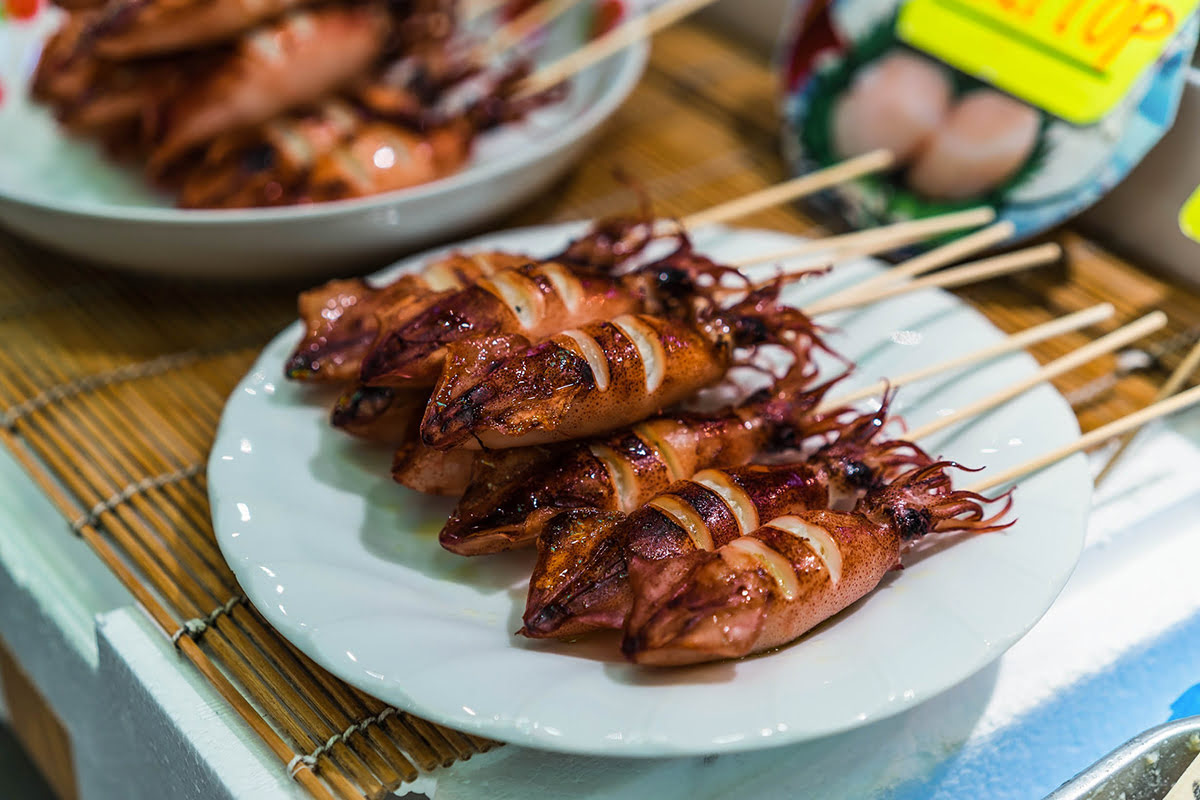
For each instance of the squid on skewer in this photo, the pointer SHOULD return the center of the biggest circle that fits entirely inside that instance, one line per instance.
(291, 63)
(526, 305)
(513, 493)
(503, 391)
(580, 582)
(341, 318)
(390, 132)
(770, 586)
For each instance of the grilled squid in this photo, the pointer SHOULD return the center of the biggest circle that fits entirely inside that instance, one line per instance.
(512, 493)
(580, 582)
(532, 303)
(383, 157)
(341, 318)
(771, 585)
(291, 63)
(502, 392)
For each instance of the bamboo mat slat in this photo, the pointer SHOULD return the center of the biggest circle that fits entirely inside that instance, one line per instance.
(111, 388)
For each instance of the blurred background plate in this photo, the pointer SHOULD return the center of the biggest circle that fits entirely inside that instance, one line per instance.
(63, 193)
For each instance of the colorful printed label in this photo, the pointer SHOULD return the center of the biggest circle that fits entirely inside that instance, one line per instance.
(1189, 217)
(1075, 59)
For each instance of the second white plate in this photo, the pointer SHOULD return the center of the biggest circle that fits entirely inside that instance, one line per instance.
(63, 193)
(346, 564)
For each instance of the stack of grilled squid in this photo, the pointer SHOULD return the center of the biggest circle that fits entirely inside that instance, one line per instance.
(233, 103)
(548, 394)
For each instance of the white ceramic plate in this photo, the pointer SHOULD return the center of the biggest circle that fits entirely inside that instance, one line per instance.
(63, 193)
(346, 565)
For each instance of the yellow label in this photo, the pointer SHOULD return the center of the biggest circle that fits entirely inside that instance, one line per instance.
(1074, 58)
(1189, 217)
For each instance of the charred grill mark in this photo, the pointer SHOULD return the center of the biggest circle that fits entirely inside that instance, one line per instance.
(361, 406)
(911, 523)
(716, 515)
(741, 508)
(655, 535)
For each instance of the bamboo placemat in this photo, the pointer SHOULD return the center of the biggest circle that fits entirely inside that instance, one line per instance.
(113, 386)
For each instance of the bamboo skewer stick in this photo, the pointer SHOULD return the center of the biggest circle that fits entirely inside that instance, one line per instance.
(1187, 787)
(1105, 344)
(1010, 344)
(1099, 436)
(620, 37)
(957, 276)
(780, 193)
(939, 257)
(875, 240)
(525, 25)
(1174, 383)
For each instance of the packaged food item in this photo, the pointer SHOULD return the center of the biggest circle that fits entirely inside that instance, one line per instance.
(999, 137)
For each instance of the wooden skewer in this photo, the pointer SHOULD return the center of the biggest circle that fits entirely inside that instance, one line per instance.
(1105, 344)
(1188, 785)
(1010, 344)
(1099, 436)
(641, 27)
(877, 240)
(957, 276)
(939, 257)
(1173, 384)
(781, 193)
(523, 26)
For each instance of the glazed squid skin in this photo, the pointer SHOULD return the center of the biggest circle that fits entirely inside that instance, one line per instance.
(505, 392)
(512, 493)
(383, 157)
(768, 588)
(378, 414)
(532, 302)
(342, 317)
(301, 58)
(580, 582)
(137, 28)
(267, 165)
(535, 300)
